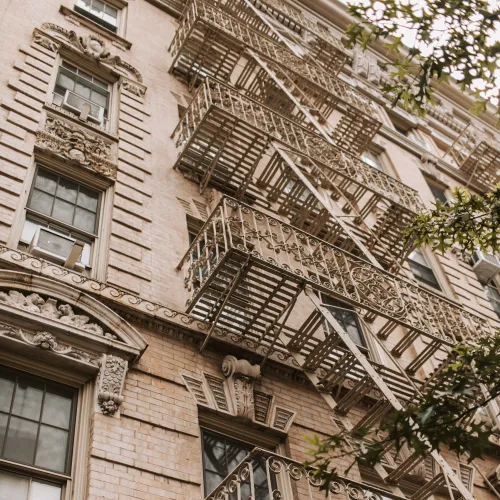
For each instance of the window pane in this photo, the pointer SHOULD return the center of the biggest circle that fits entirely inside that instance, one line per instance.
(98, 98)
(7, 383)
(418, 256)
(3, 427)
(69, 66)
(84, 220)
(87, 198)
(214, 450)
(51, 450)
(46, 181)
(13, 486)
(57, 409)
(42, 202)
(66, 81)
(235, 454)
(111, 11)
(87, 76)
(21, 440)
(28, 400)
(67, 190)
(82, 90)
(63, 211)
(97, 4)
(44, 491)
(212, 480)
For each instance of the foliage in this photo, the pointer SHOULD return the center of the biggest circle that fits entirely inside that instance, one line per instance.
(452, 37)
(442, 416)
(470, 221)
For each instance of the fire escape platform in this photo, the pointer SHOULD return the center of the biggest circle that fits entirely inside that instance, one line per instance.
(483, 163)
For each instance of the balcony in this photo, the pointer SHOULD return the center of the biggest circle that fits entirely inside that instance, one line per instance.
(478, 155)
(246, 271)
(210, 42)
(287, 24)
(227, 140)
(266, 475)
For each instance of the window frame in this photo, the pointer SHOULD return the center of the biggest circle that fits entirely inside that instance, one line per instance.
(108, 116)
(93, 239)
(35, 472)
(103, 24)
(493, 283)
(439, 288)
(226, 437)
(378, 160)
(433, 187)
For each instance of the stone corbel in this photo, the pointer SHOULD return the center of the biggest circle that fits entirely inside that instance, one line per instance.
(112, 372)
(132, 86)
(241, 376)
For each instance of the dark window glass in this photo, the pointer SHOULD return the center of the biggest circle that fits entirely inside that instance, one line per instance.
(493, 294)
(438, 193)
(36, 417)
(65, 200)
(421, 269)
(98, 11)
(347, 319)
(221, 455)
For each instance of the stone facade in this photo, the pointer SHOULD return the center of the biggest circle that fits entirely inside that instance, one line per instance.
(126, 329)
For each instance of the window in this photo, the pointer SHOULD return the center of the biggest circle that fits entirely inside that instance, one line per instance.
(69, 212)
(76, 88)
(438, 193)
(347, 319)
(100, 12)
(373, 159)
(421, 269)
(36, 429)
(221, 455)
(493, 294)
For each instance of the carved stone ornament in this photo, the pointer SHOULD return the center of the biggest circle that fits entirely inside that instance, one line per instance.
(49, 308)
(45, 42)
(65, 139)
(241, 377)
(133, 87)
(48, 342)
(110, 383)
(92, 45)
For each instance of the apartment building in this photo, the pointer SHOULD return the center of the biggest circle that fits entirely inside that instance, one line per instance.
(202, 205)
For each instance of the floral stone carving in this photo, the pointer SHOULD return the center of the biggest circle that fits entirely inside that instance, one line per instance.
(110, 383)
(50, 309)
(241, 377)
(48, 342)
(65, 139)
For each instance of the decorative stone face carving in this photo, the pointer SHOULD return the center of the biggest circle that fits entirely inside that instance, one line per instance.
(110, 383)
(48, 342)
(65, 139)
(241, 377)
(49, 308)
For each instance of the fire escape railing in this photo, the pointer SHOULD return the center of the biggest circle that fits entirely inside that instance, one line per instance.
(263, 474)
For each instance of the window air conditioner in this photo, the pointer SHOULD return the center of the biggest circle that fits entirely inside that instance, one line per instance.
(57, 248)
(485, 265)
(84, 108)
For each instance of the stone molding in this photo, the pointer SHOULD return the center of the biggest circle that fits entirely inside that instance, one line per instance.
(113, 370)
(91, 45)
(69, 141)
(48, 342)
(237, 397)
(132, 86)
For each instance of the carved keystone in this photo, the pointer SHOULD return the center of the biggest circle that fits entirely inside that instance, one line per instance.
(110, 383)
(241, 377)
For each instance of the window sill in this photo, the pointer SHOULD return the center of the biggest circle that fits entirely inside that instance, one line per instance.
(72, 117)
(116, 40)
(32, 471)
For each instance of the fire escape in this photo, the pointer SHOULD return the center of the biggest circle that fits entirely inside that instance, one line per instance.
(302, 218)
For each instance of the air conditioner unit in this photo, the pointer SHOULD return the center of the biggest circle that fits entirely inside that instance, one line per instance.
(485, 265)
(75, 103)
(58, 248)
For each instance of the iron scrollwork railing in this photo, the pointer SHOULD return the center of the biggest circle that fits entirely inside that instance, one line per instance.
(236, 227)
(330, 158)
(263, 475)
(198, 10)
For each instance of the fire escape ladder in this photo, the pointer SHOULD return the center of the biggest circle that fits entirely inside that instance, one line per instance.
(370, 373)
(429, 488)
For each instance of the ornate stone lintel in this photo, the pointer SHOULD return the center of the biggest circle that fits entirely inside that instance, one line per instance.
(133, 87)
(110, 383)
(241, 377)
(63, 138)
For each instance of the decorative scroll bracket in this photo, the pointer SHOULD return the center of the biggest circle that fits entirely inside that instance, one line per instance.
(241, 377)
(110, 383)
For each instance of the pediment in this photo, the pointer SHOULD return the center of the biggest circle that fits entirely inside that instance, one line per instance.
(41, 304)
